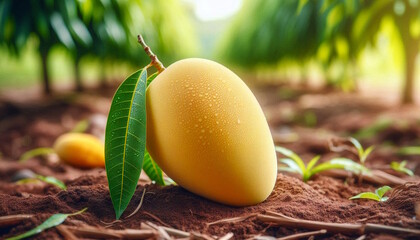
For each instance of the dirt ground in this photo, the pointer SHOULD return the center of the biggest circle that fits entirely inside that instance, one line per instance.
(300, 119)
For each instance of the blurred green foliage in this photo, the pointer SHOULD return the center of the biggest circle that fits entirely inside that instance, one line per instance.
(265, 32)
(330, 31)
(106, 30)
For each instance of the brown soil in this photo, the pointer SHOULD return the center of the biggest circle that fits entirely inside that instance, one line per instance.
(24, 126)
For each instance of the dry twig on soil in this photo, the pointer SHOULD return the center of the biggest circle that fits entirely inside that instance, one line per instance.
(102, 233)
(66, 233)
(363, 237)
(171, 231)
(92, 232)
(156, 219)
(303, 235)
(109, 224)
(10, 220)
(227, 236)
(139, 206)
(345, 228)
(232, 220)
(377, 177)
(200, 236)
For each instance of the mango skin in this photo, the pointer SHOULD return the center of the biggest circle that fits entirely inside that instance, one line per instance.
(207, 132)
(80, 150)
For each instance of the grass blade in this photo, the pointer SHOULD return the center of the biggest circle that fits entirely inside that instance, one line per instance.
(292, 165)
(366, 153)
(152, 170)
(287, 169)
(350, 165)
(52, 180)
(312, 163)
(52, 221)
(125, 139)
(357, 145)
(35, 152)
(288, 153)
(321, 167)
(47, 179)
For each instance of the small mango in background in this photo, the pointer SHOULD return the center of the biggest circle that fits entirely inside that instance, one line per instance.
(80, 150)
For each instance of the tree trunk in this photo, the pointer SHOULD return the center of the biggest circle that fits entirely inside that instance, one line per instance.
(78, 79)
(352, 64)
(410, 48)
(102, 76)
(45, 75)
(408, 89)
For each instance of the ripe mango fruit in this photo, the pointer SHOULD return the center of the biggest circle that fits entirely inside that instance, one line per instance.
(207, 132)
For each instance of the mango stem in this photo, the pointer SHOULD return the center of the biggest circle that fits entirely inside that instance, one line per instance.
(155, 61)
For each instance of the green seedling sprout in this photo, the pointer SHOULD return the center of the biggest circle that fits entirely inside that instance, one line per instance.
(363, 153)
(295, 164)
(42, 151)
(378, 195)
(47, 179)
(81, 126)
(400, 167)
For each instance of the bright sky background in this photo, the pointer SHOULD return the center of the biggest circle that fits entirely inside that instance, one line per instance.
(210, 10)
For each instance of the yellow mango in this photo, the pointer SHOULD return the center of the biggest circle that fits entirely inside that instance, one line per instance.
(80, 150)
(208, 133)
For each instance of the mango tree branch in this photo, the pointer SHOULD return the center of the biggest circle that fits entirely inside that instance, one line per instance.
(155, 61)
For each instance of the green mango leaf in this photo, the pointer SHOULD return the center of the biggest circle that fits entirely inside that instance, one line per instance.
(366, 195)
(151, 78)
(152, 169)
(125, 140)
(81, 32)
(60, 28)
(52, 221)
